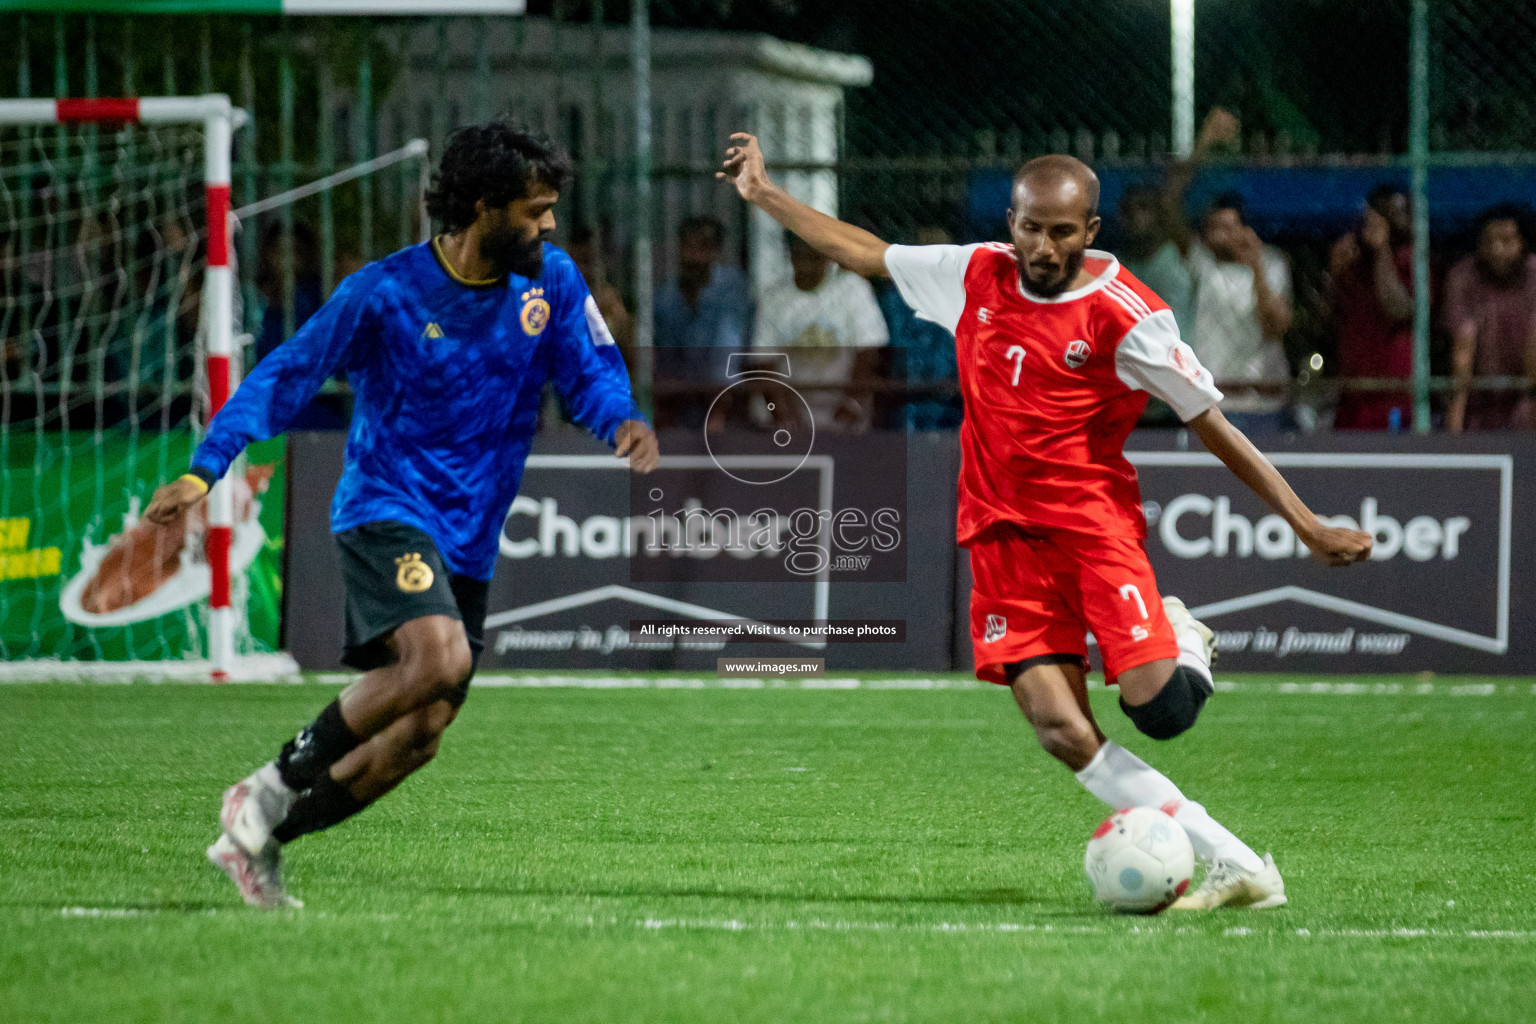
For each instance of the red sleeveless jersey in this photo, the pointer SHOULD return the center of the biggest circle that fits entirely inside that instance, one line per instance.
(1052, 386)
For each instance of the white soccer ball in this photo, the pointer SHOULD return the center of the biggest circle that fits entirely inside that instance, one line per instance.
(1139, 861)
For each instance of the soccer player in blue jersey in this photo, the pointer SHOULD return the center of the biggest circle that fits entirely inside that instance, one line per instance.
(447, 346)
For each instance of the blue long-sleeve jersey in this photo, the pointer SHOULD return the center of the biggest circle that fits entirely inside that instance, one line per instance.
(447, 376)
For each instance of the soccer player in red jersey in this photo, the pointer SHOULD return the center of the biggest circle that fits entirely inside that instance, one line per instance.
(1058, 348)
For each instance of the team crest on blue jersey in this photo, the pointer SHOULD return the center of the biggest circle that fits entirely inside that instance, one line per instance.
(535, 311)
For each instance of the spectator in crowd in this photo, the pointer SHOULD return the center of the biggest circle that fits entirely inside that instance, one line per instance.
(269, 282)
(153, 352)
(701, 315)
(325, 411)
(583, 252)
(1370, 296)
(1490, 312)
(829, 323)
(1156, 239)
(1151, 251)
(1242, 309)
(926, 353)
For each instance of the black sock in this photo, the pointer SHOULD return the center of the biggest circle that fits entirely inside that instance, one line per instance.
(310, 754)
(327, 803)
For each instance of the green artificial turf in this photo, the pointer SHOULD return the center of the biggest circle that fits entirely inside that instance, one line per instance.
(765, 855)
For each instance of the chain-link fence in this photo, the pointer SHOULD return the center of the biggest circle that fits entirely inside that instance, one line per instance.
(1482, 76)
(907, 116)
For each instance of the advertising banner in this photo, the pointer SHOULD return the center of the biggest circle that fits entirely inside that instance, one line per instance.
(596, 560)
(82, 578)
(1445, 589)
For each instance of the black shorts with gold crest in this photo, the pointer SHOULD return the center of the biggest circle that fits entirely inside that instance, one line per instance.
(394, 574)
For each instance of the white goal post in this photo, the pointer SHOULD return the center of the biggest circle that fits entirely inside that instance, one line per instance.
(217, 119)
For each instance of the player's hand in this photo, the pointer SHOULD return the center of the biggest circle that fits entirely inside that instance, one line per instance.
(1375, 232)
(637, 441)
(744, 167)
(1337, 545)
(173, 500)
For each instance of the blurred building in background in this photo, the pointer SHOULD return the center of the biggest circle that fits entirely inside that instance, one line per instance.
(574, 84)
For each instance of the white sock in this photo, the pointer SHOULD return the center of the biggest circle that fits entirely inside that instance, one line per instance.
(1192, 650)
(1121, 779)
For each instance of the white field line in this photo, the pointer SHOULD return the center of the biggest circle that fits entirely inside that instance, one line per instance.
(194, 673)
(936, 928)
(1376, 689)
(726, 683)
(1011, 927)
(1341, 689)
(252, 668)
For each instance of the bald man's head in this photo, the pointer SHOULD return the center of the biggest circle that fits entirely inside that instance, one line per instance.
(1057, 172)
(1053, 219)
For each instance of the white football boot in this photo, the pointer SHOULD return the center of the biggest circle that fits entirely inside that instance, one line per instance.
(1227, 885)
(1197, 644)
(254, 806)
(259, 878)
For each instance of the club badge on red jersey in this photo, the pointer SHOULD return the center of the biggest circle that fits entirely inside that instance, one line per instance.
(1181, 361)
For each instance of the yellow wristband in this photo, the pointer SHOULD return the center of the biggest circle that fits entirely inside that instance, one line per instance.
(195, 479)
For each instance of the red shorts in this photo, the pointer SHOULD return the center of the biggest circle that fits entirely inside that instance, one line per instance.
(1041, 592)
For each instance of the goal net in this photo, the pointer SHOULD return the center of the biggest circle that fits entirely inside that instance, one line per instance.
(116, 320)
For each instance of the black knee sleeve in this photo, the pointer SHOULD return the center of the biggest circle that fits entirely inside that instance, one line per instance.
(1175, 707)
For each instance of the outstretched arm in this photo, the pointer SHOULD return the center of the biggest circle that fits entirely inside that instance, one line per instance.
(844, 244)
(1330, 544)
(273, 395)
